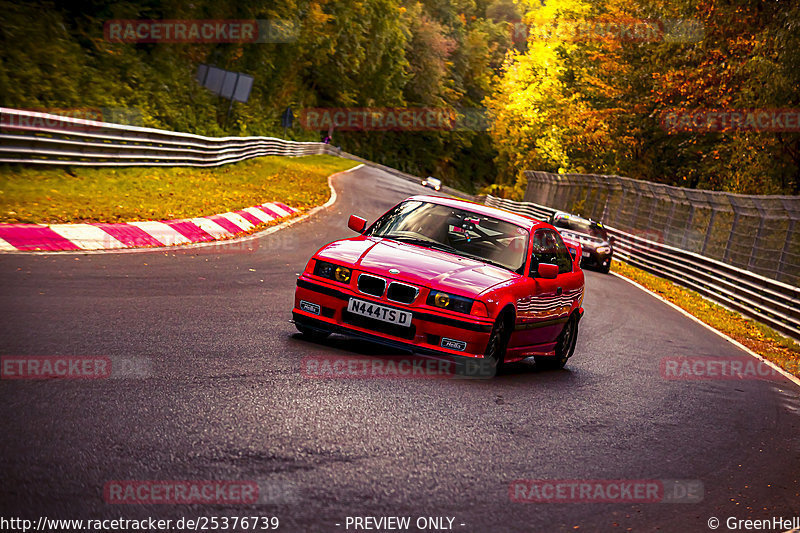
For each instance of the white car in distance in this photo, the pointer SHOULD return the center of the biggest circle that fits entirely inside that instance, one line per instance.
(433, 183)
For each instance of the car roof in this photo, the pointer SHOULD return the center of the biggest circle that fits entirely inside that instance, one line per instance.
(570, 216)
(500, 214)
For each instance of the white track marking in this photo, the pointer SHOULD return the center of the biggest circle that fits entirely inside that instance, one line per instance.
(238, 220)
(211, 227)
(794, 379)
(277, 209)
(5, 245)
(87, 237)
(161, 232)
(259, 214)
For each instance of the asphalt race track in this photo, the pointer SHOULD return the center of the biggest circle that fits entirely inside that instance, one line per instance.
(218, 394)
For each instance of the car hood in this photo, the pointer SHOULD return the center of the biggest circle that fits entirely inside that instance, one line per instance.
(417, 265)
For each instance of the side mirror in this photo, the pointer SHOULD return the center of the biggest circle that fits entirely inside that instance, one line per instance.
(547, 271)
(611, 240)
(357, 224)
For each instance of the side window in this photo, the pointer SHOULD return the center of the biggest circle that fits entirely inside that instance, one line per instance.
(563, 257)
(549, 248)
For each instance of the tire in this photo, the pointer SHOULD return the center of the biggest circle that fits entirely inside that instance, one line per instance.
(565, 347)
(605, 269)
(496, 347)
(312, 334)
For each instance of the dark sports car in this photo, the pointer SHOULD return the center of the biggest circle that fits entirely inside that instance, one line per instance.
(596, 243)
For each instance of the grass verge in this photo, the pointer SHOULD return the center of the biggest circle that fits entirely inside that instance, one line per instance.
(82, 194)
(762, 339)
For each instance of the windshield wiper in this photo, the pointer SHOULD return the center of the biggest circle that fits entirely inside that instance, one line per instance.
(482, 259)
(429, 243)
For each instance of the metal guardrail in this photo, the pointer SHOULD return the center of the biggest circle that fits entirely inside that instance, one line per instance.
(33, 137)
(763, 299)
(40, 138)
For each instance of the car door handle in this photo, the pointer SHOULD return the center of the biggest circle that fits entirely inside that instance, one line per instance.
(559, 291)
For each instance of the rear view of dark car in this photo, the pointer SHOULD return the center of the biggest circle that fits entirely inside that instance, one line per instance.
(597, 245)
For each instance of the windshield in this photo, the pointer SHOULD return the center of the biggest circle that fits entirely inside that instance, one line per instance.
(455, 231)
(581, 225)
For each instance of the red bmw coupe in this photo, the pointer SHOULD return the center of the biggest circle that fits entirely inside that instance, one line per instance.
(447, 277)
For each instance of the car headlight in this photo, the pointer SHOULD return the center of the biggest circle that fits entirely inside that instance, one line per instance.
(604, 250)
(332, 272)
(451, 302)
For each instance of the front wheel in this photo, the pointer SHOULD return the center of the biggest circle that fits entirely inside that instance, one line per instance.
(565, 346)
(496, 347)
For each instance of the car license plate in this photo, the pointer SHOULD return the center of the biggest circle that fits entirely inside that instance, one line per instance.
(379, 312)
(586, 254)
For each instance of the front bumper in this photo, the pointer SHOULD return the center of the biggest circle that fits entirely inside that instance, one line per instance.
(425, 335)
(596, 260)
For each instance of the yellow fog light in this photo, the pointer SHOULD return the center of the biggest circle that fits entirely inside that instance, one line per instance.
(441, 299)
(342, 274)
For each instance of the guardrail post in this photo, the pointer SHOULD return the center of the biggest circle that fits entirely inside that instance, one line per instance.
(652, 207)
(621, 205)
(727, 256)
(708, 230)
(759, 235)
(670, 218)
(785, 250)
(688, 227)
